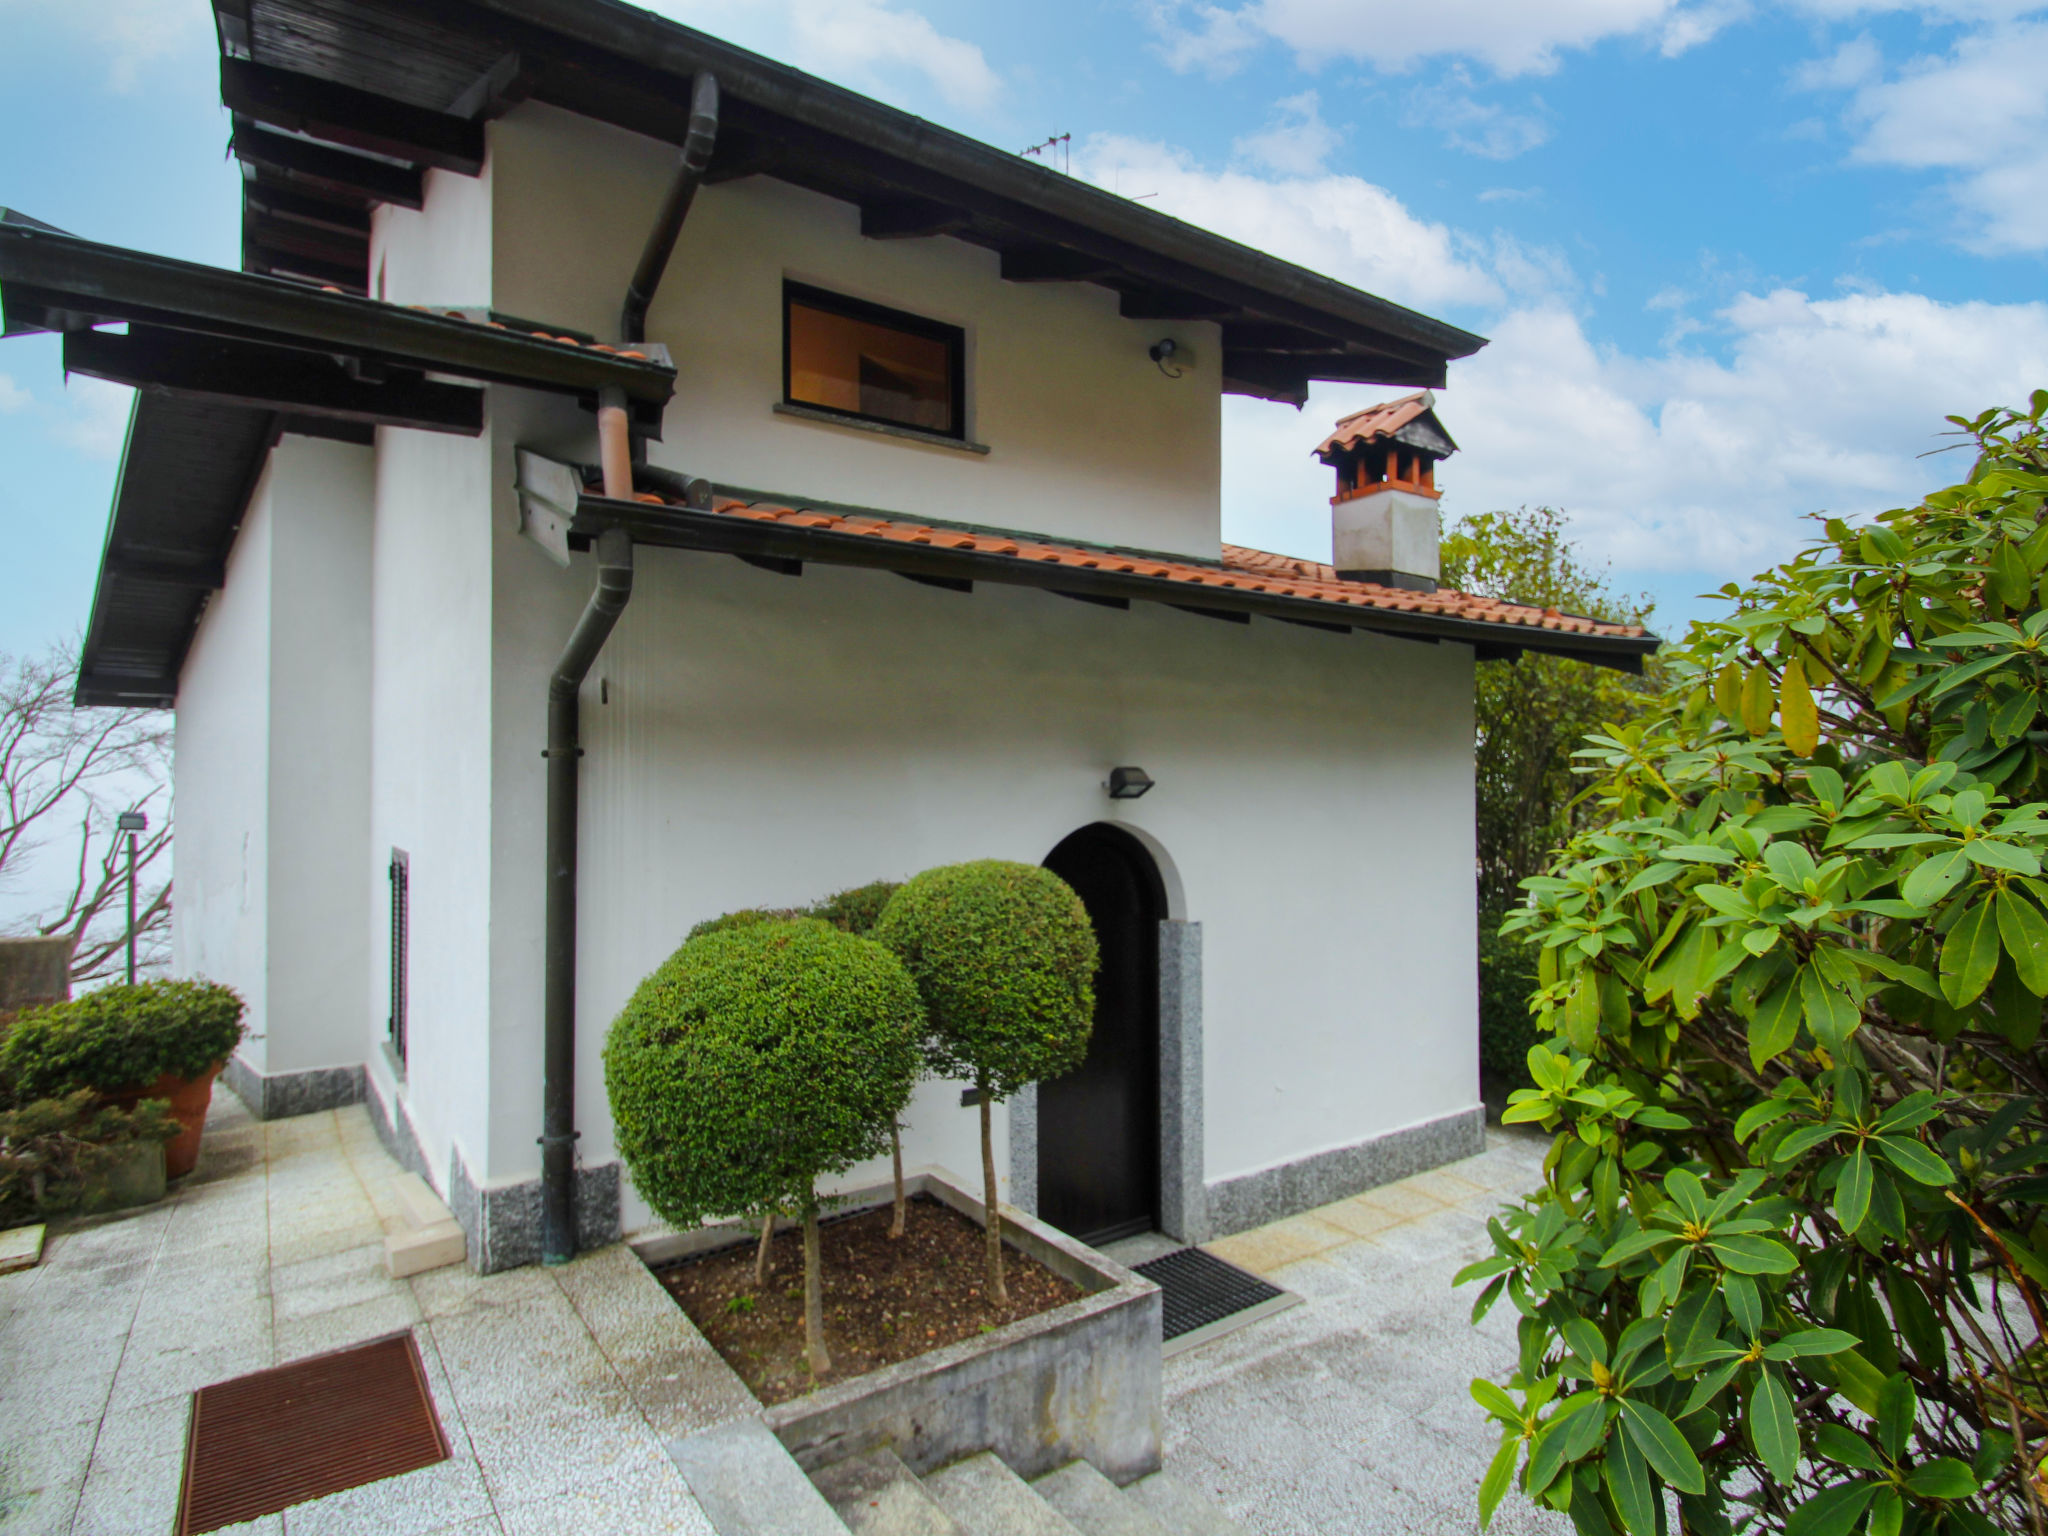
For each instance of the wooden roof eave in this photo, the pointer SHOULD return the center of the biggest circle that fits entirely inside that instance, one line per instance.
(673, 527)
(51, 281)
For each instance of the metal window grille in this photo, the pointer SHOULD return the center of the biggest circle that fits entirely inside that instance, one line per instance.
(401, 946)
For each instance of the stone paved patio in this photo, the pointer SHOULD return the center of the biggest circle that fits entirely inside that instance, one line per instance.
(1350, 1413)
(557, 1388)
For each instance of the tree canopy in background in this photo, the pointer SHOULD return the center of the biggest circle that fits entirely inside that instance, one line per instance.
(1532, 715)
(1789, 1262)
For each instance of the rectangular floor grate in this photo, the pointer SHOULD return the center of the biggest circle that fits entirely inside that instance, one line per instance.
(1201, 1289)
(262, 1442)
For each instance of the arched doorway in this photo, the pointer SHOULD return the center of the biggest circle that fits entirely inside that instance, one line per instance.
(1098, 1127)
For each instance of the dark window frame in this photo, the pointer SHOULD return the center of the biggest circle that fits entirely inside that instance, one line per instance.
(954, 336)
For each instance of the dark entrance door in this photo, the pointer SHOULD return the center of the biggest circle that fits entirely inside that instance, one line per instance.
(1098, 1127)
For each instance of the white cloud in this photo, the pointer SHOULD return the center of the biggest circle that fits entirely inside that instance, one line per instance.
(1340, 225)
(1679, 461)
(1978, 112)
(1510, 37)
(130, 33)
(12, 396)
(94, 418)
(1486, 129)
(1295, 141)
(866, 44)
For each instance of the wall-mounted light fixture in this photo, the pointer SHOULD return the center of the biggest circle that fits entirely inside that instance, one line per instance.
(1173, 358)
(1128, 783)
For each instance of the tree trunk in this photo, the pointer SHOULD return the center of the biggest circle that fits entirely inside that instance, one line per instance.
(896, 1162)
(764, 1261)
(996, 1289)
(814, 1296)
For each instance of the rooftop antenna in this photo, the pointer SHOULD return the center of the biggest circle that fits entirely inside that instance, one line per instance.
(1060, 148)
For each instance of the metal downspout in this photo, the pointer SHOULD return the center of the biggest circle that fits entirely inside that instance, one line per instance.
(698, 141)
(619, 448)
(558, 1068)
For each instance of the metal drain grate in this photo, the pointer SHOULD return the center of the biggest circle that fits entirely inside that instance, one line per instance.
(262, 1442)
(1200, 1289)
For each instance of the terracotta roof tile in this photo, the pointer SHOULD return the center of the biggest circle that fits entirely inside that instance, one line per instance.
(1307, 579)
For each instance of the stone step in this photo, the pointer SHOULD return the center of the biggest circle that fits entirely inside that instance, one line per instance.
(748, 1485)
(1094, 1505)
(877, 1495)
(985, 1498)
(1179, 1508)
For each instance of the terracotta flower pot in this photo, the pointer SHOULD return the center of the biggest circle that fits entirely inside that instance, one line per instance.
(188, 1098)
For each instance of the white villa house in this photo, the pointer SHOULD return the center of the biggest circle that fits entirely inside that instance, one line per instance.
(632, 480)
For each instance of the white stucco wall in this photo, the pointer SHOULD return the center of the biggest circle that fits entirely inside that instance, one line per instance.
(271, 767)
(220, 782)
(761, 740)
(1087, 438)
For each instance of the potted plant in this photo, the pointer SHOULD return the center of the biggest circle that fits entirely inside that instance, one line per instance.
(163, 1040)
(1004, 957)
(755, 1060)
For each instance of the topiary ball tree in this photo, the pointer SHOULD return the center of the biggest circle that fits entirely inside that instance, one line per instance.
(755, 1061)
(1004, 957)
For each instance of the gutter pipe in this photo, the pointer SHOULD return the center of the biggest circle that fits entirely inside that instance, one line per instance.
(617, 451)
(675, 207)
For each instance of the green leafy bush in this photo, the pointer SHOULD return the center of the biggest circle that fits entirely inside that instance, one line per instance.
(1789, 1261)
(49, 1147)
(1004, 957)
(746, 917)
(1507, 981)
(755, 1061)
(121, 1037)
(856, 910)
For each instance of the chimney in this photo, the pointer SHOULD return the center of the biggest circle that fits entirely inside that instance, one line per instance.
(1383, 518)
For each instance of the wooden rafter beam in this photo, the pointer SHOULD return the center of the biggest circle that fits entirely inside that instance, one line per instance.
(1053, 264)
(274, 261)
(1163, 304)
(294, 207)
(337, 248)
(324, 168)
(272, 378)
(909, 218)
(361, 120)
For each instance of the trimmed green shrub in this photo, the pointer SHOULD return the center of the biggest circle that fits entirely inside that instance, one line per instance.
(121, 1037)
(746, 917)
(1004, 957)
(754, 1061)
(856, 910)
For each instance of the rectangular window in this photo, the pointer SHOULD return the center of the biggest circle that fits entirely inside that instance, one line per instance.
(872, 363)
(401, 947)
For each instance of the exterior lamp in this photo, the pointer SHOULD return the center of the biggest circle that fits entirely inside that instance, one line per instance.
(1128, 783)
(131, 822)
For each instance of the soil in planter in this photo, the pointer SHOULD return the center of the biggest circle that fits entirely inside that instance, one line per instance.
(884, 1301)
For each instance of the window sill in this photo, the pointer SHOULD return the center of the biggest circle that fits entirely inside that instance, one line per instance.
(881, 428)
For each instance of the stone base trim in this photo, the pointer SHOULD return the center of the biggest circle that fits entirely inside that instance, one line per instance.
(503, 1220)
(1253, 1199)
(280, 1095)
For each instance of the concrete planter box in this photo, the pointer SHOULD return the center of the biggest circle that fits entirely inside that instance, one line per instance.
(1082, 1380)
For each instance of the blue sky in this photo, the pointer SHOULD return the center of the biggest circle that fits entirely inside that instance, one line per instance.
(1737, 258)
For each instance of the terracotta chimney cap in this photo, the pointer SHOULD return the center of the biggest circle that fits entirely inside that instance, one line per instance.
(1410, 419)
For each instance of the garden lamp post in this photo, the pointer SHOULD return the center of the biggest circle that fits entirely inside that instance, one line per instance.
(131, 822)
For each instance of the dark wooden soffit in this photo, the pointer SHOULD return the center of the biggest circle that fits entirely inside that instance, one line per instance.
(187, 470)
(780, 546)
(910, 178)
(273, 379)
(56, 282)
